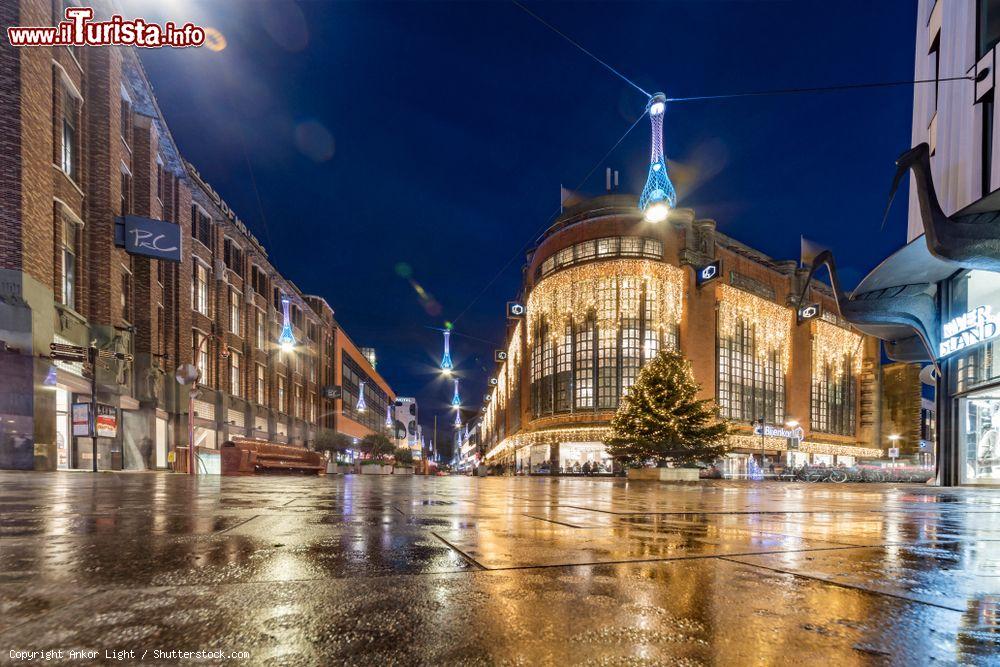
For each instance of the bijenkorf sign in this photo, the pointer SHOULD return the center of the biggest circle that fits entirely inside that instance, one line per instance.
(148, 237)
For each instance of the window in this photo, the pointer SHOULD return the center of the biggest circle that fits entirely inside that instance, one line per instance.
(833, 398)
(584, 343)
(233, 256)
(751, 383)
(199, 289)
(312, 408)
(126, 296)
(234, 373)
(261, 387)
(235, 312)
(258, 280)
(605, 248)
(126, 119)
(159, 179)
(69, 137)
(631, 353)
(987, 25)
(986, 146)
(281, 393)
(69, 231)
(564, 370)
(201, 226)
(126, 198)
(261, 328)
(161, 331)
(199, 349)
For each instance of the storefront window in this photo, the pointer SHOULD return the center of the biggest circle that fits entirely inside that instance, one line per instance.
(980, 363)
(979, 437)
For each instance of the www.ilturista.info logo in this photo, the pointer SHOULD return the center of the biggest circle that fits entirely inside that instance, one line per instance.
(79, 30)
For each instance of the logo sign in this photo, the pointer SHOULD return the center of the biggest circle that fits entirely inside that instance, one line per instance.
(499, 356)
(107, 421)
(778, 431)
(515, 310)
(708, 273)
(809, 312)
(148, 237)
(81, 419)
(487, 397)
(333, 392)
(975, 326)
(493, 382)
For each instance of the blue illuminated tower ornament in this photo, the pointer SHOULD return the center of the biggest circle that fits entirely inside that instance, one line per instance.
(458, 419)
(286, 340)
(446, 364)
(658, 197)
(456, 400)
(361, 406)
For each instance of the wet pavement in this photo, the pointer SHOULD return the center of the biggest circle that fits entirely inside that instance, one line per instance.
(519, 571)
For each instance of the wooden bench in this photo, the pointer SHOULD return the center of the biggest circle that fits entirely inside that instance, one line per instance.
(249, 457)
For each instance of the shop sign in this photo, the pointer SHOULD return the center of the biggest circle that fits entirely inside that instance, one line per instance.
(515, 310)
(708, 273)
(975, 326)
(894, 452)
(809, 311)
(778, 431)
(499, 356)
(148, 237)
(81, 419)
(107, 421)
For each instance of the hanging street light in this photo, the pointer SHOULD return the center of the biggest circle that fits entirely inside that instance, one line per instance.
(659, 196)
(361, 406)
(456, 400)
(446, 364)
(286, 339)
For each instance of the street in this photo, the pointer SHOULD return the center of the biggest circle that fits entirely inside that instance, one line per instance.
(463, 570)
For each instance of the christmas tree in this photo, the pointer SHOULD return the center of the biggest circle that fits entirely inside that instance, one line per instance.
(661, 417)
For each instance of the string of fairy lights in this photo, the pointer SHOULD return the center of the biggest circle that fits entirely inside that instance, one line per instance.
(575, 290)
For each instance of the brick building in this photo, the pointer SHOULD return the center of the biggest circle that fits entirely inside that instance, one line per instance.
(604, 291)
(82, 142)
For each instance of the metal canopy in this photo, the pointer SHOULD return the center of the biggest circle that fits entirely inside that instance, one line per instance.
(913, 264)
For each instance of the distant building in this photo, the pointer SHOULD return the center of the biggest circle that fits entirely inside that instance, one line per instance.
(901, 408)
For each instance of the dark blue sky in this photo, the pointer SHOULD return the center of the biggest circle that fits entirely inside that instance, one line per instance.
(437, 135)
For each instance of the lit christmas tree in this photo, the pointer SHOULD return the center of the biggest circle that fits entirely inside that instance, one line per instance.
(661, 417)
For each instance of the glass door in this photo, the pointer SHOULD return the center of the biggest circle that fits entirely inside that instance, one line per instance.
(979, 437)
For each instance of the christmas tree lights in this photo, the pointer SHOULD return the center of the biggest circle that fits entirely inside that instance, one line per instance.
(361, 406)
(446, 364)
(286, 339)
(658, 196)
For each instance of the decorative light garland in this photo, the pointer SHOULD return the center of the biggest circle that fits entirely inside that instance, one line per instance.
(834, 347)
(738, 441)
(575, 292)
(361, 406)
(446, 364)
(772, 323)
(658, 196)
(550, 437)
(286, 339)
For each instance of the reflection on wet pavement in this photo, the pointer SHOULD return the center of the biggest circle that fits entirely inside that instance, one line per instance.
(499, 570)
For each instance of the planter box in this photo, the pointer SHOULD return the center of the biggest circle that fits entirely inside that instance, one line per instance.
(402, 470)
(376, 470)
(664, 474)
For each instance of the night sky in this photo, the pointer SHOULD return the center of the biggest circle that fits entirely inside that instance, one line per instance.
(430, 140)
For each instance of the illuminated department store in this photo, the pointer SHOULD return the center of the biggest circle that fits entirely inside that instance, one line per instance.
(604, 290)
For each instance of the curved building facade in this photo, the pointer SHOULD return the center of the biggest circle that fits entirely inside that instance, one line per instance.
(604, 291)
